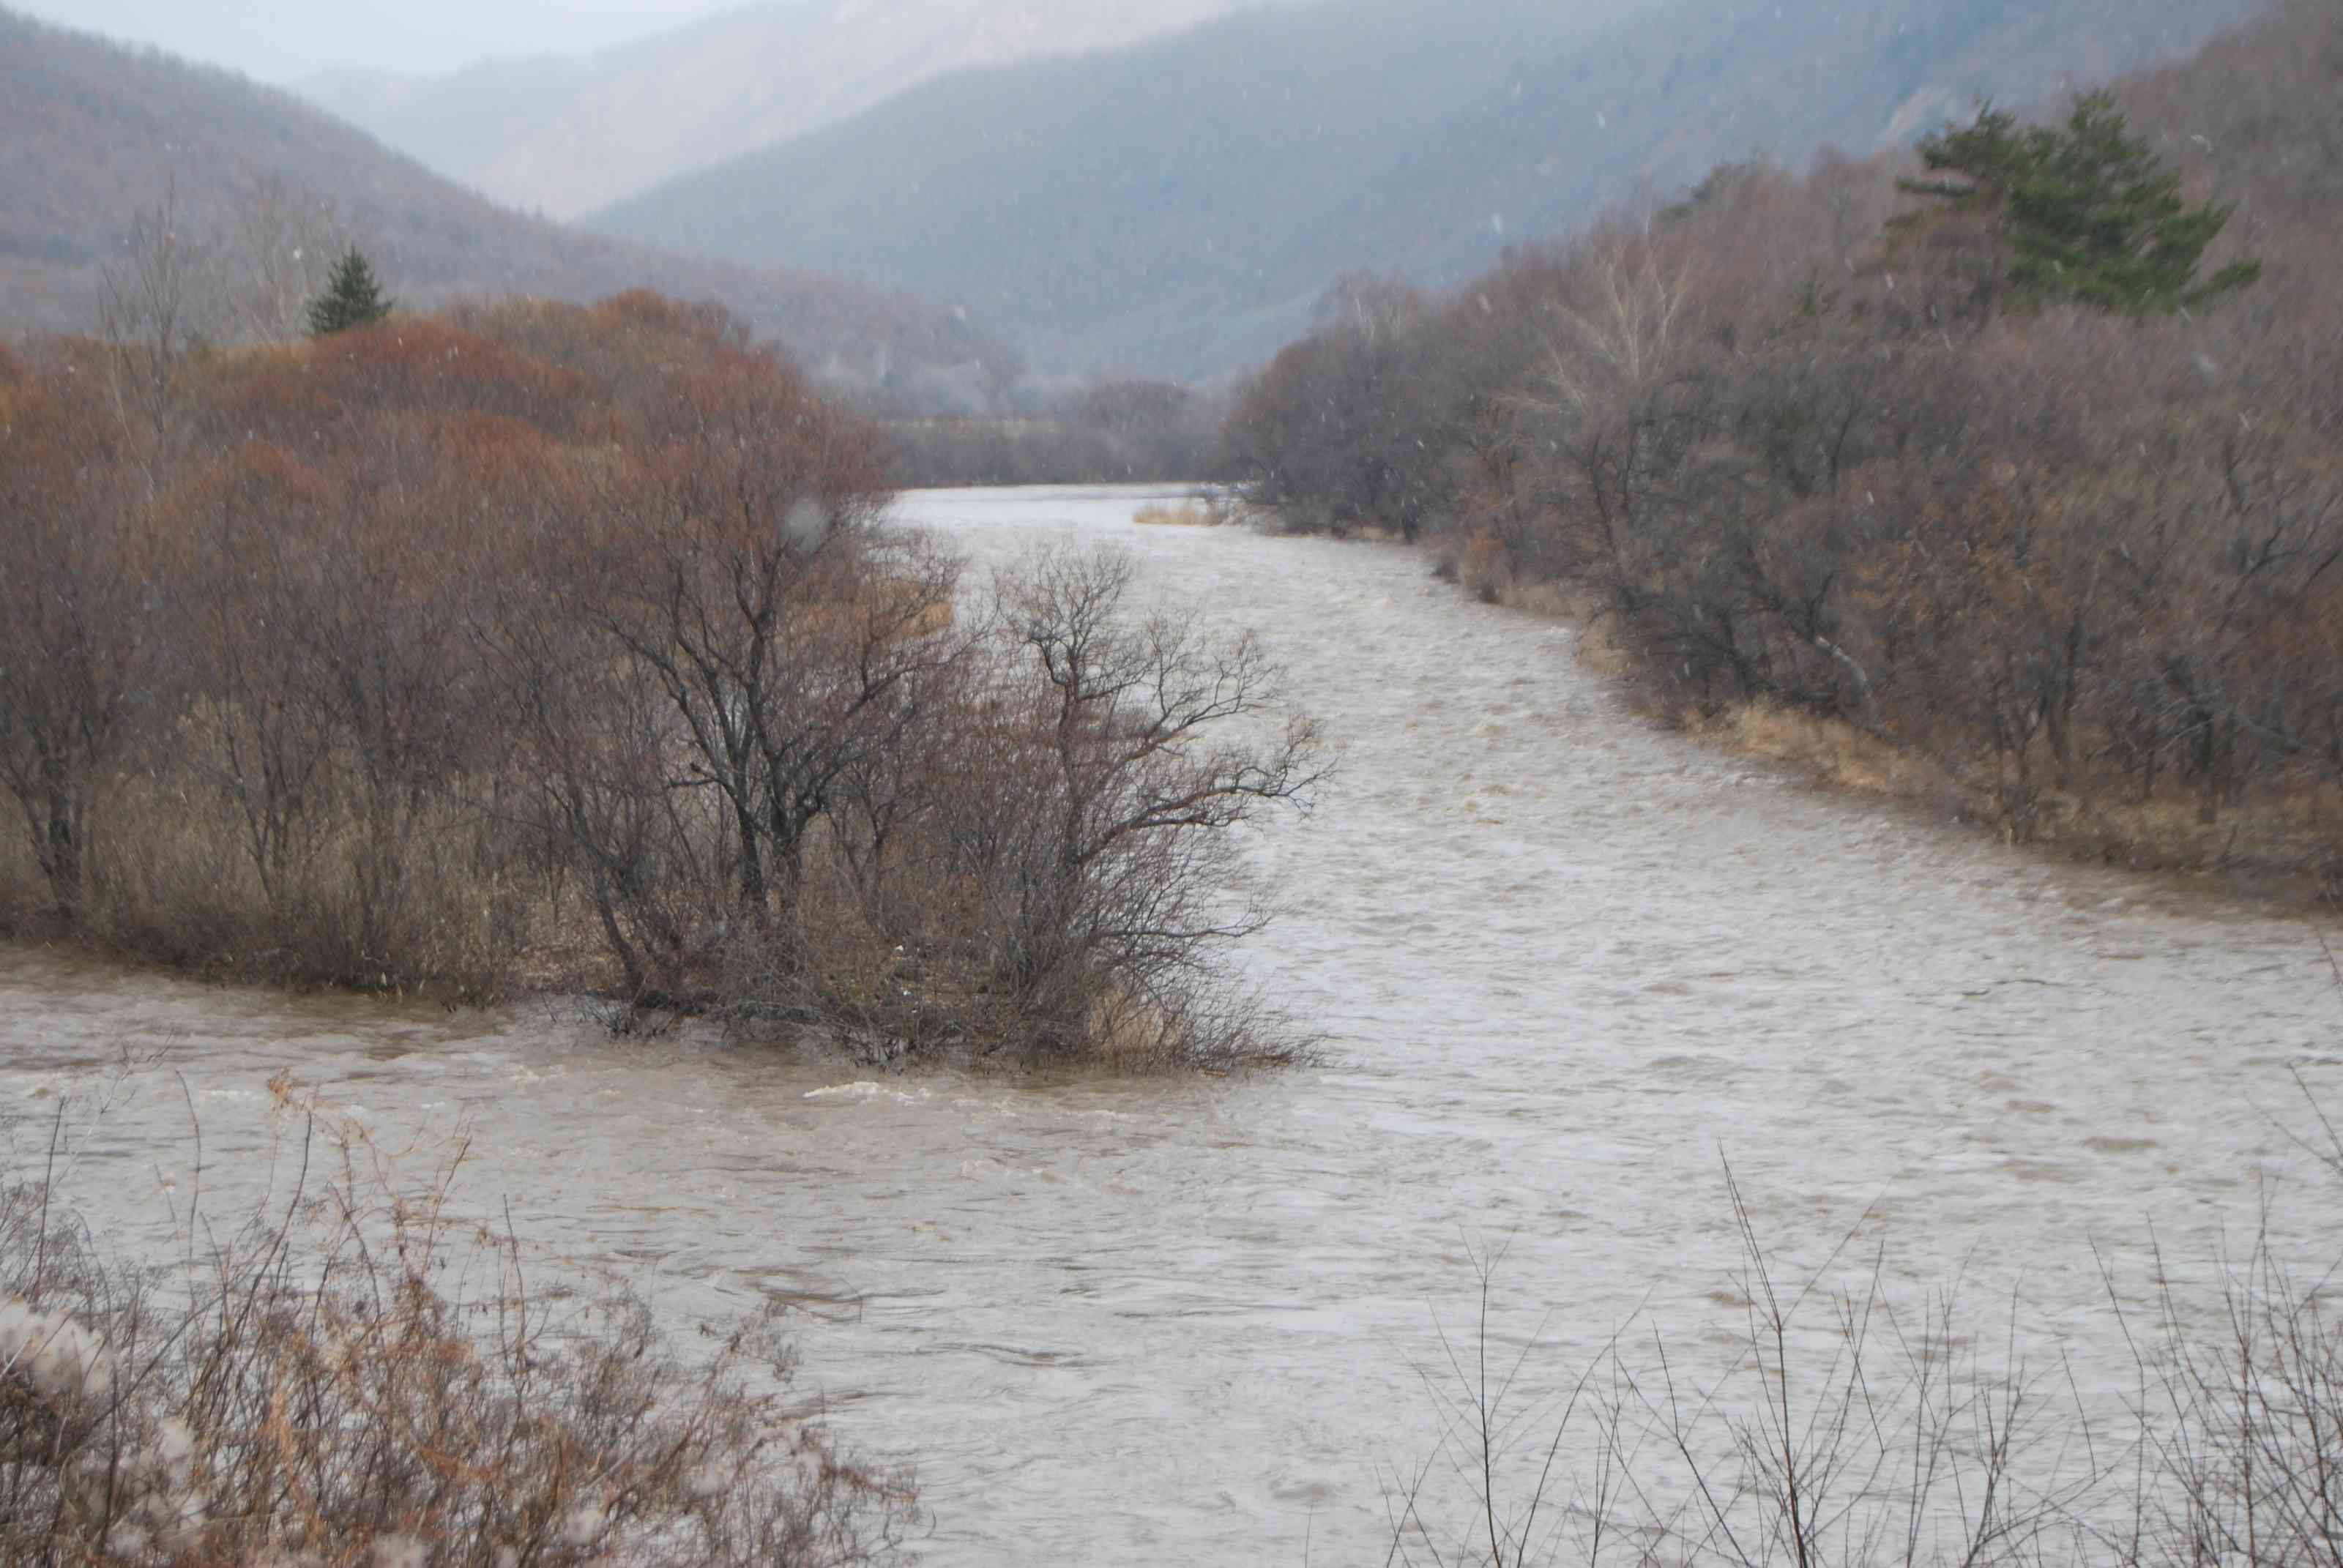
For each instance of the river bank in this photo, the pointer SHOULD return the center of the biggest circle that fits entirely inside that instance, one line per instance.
(2269, 851)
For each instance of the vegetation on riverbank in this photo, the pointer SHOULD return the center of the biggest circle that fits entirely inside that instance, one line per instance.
(533, 642)
(2004, 468)
(1116, 431)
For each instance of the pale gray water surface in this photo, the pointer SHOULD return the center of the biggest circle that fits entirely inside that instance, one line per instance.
(1568, 965)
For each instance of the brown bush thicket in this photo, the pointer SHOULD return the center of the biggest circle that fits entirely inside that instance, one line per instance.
(574, 644)
(357, 1376)
(1798, 447)
(1338, 432)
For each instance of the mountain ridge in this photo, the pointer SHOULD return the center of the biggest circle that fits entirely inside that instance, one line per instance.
(1051, 173)
(567, 134)
(93, 133)
(1172, 208)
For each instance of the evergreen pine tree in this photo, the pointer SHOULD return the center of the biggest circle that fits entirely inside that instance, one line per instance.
(352, 298)
(2085, 211)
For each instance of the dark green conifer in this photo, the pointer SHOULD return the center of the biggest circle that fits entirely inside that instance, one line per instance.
(2085, 211)
(352, 298)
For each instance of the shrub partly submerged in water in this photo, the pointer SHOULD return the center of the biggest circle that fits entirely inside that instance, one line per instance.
(576, 646)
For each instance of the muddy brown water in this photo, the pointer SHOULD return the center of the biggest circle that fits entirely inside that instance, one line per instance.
(1568, 966)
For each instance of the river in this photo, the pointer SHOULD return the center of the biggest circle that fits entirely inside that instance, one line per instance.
(1567, 966)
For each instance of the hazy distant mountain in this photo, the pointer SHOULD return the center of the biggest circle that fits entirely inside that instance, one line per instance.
(567, 134)
(1710, 81)
(92, 132)
(1178, 207)
(457, 125)
(1132, 207)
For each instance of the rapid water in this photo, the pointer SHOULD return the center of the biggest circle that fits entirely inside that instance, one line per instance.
(1567, 967)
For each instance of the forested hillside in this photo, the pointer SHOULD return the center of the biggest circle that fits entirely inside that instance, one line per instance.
(2010, 479)
(92, 134)
(1183, 208)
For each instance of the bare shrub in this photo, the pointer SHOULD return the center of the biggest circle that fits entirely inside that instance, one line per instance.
(1106, 858)
(1844, 1429)
(318, 1395)
(1847, 1428)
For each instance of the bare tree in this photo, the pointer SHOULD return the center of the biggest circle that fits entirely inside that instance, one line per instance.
(265, 741)
(79, 632)
(1623, 322)
(1136, 746)
(740, 572)
(157, 308)
(281, 246)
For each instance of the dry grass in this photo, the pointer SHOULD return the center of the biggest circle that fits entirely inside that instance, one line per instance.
(1126, 1028)
(1599, 649)
(1188, 514)
(2281, 825)
(1828, 750)
(2278, 845)
(1213, 1029)
(1136, 1033)
(933, 619)
(1547, 601)
(1479, 566)
(1204, 509)
(171, 884)
(2281, 843)
(896, 609)
(1482, 569)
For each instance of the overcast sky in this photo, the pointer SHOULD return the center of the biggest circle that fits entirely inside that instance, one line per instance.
(276, 40)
